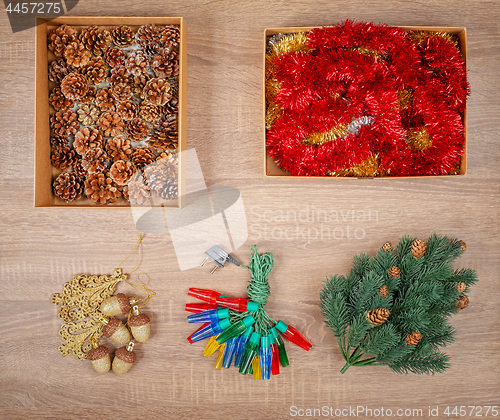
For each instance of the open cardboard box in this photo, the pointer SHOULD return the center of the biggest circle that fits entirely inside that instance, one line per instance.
(273, 170)
(45, 173)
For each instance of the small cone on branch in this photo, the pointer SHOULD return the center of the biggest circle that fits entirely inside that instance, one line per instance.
(461, 286)
(99, 357)
(95, 71)
(59, 69)
(104, 99)
(59, 39)
(118, 304)
(115, 330)
(394, 272)
(64, 122)
(121, 172)
(95, 39)
(63, 157)
(124, 359)
(122, 36)
(127, 110)
(114, 57)
(119, 148)
(74, 86)
(88, 138)
(137, 129)
(140, 325)
(462, 302)
(157, 91)
(101, 190)
(377, 316)
(383, 291)
(68, 187)
(418, 248)
(413, 339)
(387, 247)
(76, 54)
(59, 101)
(110, 124)
(137, 63)
(463, 245)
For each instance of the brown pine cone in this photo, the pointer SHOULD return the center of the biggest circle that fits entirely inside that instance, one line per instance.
(413, 339)
(394, 272)
(122, 36)
(377, 316)
(157, 91)
(142, 156)
(74, 86)
(171, 107)
(78, 168)
(462, 302)
(164, 133)
(68, 187)
(64, 122)
(56, 141)
(89, 96)
(149, 112)
(121, 171)
(119, 148)
(121, 92)
(120, 75)
(383, 291)
(418, 248)
(161, 176)
(148, 37)
(110, 123)
(137, 129)
(170, 37)
(137, 63)
(88, 114)
(59, 101)
(95, 39)
(463, 245)
(88, 138)
(127, 110)
(63, 157)
(174, 86)
(76, 54)
(387, 247)
(165, 64)
(170, 190)
(139, 82)
(95, 71)
(95, 161)
(137, 191)
(114, 57)
(59, 69)
(461, 286)
(104, 99)
(100, 189)
(59, 39)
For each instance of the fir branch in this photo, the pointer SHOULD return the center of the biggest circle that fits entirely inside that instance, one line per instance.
(435, 362)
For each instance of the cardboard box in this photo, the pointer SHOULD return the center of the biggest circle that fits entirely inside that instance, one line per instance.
(273, 170)
(44, 171)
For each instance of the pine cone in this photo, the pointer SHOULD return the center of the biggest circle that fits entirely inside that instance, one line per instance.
(139, 83)
(122, 36)
(148, 37)
(149, 112)
(56, 141)
(121, 92)
(169, 190)
(88, 138)
(63, 157)
(142, 156)
(104, 99)
(74, 86)
(68, 186)
(164, 133)
(88, 114)
(418, 248)
(110, 123)
(166, 63)
(463, 245)
(137, 191)
(383, 291)
(78, 168)
(95, 71)
(377, 316)
(64, 122)
(462, 302)
(60, 38)
(127, 110)
(59, 69)
(174, 86)
(100, 189)
(171, 107)
(413, 339)
(120, 75)
(461, 286)
(137, 63)
(124, 191)
(114, 57)
(394, 272)
(170, 37)
(76, 54)
(121, 171)
(387, 247)
(157, 91)
(119, 148)
(137, 129)
(161, 176)
(89, 96)
(95, 161)
(59, 101)
(95, 39)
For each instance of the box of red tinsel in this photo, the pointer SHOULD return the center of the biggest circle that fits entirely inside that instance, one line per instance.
(364, 100)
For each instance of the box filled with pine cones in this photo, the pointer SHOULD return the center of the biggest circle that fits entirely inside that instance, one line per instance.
(110, 111)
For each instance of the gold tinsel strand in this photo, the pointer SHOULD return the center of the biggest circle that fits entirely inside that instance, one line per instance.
(405, 98)
(418, 140)
(317, 139)
(420, 36)
(370, 167)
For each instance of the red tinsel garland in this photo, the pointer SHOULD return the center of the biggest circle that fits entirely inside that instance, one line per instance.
(349, 80)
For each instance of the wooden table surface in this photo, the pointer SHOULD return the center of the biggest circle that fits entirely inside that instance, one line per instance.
(43, 248)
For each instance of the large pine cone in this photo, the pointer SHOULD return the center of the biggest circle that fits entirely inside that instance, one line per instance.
(157, 91)
(59, 69)
(100, 189)
(418, 248)
(60, 38)
(63, 157)
(121, 91)
(104, 99)
(88, 114)
(122, 36)
(119, 148)
(137, 63)
(165, 64)
(148, 37)
(413, 339)
(59, 101)
(64, 122)
(170, 37)
(139, 83)
(394, 272)
(68, 186)
(161, 176)
(110, 123)
(95, 161)
(114, 57)
(377, 316)
(74, 86)
(171, 107)
(142, 156)
(76, 54)
(121, 171)
(462, 302)
(120, 75)
(127, 110)
(137, 191)
(95, 71)
(89, 96)
(88, 138)
(137, 129)
(149, 112)
(56, 141)
(95, 39)
(164, 133)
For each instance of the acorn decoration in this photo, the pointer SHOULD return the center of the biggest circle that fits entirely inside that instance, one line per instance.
(140, 325)
(118, 304)
(115, 330)
(99, 357)
(124, 359)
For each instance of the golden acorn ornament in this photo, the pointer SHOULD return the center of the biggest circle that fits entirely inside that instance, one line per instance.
(118, 304)
(99, 357)
(124, 359)
(140, 325)
(418, 248)
(387, 247)
(377, 316)
(115, 330)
